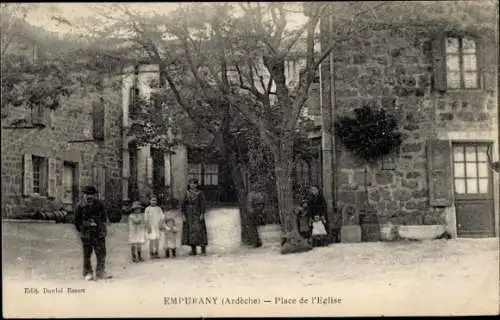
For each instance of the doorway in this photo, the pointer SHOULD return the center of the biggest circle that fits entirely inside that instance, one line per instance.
(70, 185)
(473, 184)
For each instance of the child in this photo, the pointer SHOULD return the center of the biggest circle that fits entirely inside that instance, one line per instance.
(170, 238)
(154, 219)
(319, 234)
(303, 221)
(136, 231)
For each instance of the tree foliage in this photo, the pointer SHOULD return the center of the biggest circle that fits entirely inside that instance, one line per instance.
(229, 58)
(41, 67)
(370, 134)
(153, 125)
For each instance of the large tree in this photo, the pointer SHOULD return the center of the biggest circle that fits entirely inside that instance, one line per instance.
(233, 56)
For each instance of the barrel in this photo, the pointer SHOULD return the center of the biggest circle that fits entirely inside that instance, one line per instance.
(370, 227)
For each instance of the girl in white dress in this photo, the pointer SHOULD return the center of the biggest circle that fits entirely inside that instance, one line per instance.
(136, 231)
(154, 221)
(319, 233)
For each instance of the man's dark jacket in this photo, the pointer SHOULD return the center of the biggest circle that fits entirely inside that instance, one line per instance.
(90, 220)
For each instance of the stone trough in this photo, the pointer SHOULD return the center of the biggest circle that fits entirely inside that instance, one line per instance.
(421, 232)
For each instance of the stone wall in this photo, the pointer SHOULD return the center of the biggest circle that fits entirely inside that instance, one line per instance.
(71, 121)
(389, 69)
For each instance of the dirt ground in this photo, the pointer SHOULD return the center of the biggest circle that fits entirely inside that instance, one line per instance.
(441, 277)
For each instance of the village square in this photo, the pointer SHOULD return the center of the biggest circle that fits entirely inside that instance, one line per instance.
(250, 159)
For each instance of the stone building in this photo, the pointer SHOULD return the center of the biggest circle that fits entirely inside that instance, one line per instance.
(49, 155)
(442, 88)
(145, 171)
(148, 171)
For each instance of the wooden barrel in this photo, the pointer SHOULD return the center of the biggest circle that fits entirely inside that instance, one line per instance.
(370, 228)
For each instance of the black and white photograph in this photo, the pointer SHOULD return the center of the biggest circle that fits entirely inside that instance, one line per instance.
(250, 159)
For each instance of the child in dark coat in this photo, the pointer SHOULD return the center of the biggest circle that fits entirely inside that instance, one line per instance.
(304, 222)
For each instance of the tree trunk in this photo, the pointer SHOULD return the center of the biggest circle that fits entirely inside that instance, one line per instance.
(249, 231)
(292, 242)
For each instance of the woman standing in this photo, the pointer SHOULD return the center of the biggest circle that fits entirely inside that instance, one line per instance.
(316, 205)
(194, 229)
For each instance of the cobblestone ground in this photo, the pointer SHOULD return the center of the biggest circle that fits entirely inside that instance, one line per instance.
(430, 277)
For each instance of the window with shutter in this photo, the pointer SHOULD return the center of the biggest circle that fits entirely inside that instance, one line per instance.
(438, 63)
(455, 61)
(39, 171)
(40, 116)
(98, 120)
(133, 96)
(28, 175)
(462, 71)
(51, 177)
(440, 173)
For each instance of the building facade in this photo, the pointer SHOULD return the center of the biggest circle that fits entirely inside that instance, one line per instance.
(147, 171)
(49, 155)
(442, 89)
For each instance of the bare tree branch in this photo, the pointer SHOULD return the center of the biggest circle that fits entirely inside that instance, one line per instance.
(251, 89)
(185, 106)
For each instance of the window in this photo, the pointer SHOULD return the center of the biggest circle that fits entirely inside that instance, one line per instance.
(470, 167)
(211, 175)
(209, 172)
(98, 118)
(461, 63)
(133, 96)
(194, 171)
(302, 172)
(70, 183)
(40, 179)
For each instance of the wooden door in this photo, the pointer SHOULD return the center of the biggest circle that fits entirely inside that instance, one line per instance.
(70, 185)
(473, 184)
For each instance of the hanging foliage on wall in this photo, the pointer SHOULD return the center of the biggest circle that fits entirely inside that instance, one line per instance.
(370, 135)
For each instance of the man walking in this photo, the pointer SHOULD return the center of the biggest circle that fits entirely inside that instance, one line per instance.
(90, 221)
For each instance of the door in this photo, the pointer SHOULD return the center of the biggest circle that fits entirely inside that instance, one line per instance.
(70, 186)
(473, 184)
(133, 187)
(159, 174)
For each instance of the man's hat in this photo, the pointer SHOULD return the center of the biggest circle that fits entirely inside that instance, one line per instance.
(89, 190)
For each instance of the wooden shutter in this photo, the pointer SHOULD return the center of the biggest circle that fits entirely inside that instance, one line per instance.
(99, 180)
(438, 63)
(98, 120)
(486, 54)
(28, 175)
(440, 173)
(52, 178)
(149, 170)
(40, 116)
